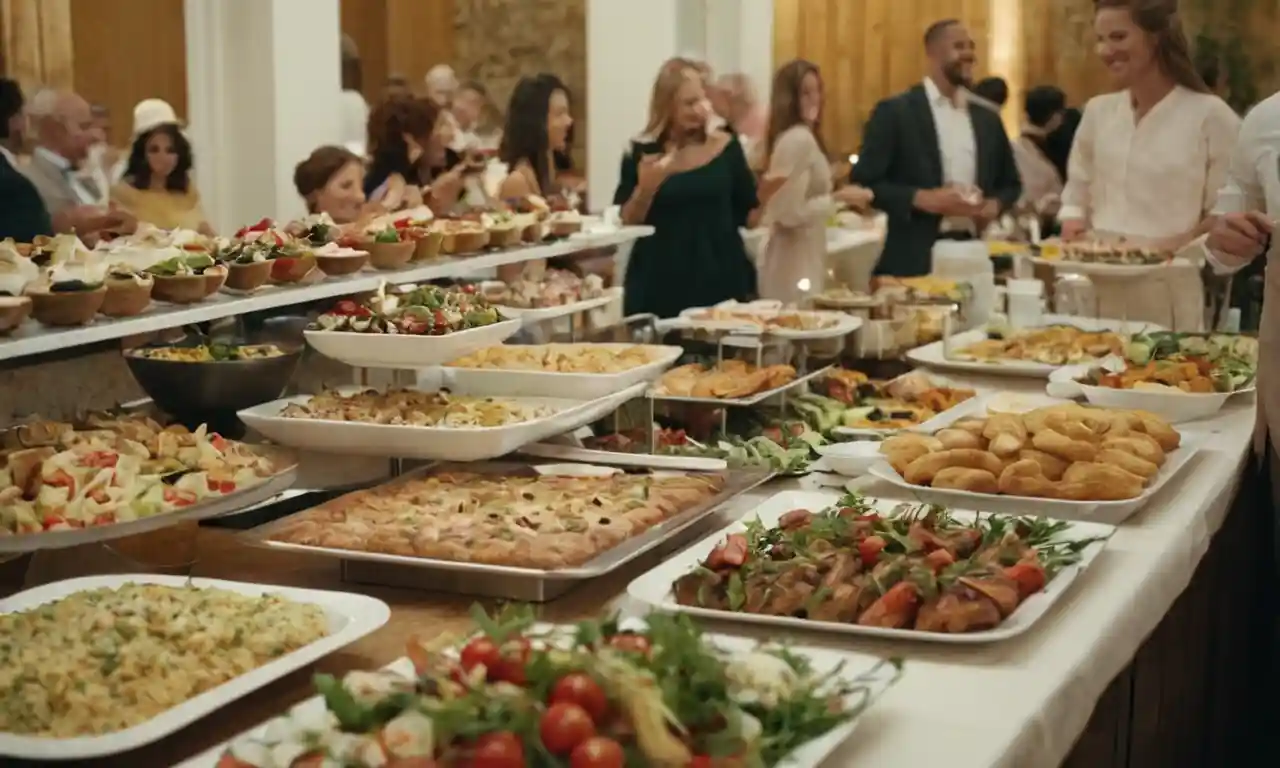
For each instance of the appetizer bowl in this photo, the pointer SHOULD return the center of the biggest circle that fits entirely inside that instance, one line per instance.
(127, 296)
(248, 277)
(342, 264)
(505, 237)
(214, 278)
(288, 269)
(180, 289)
(428, 246)
(388, 256)
(448, 243)
(187, 388)
(565, 227)
(1172, 405)
(534, 233)
(14, 310)
(398, 350)
(65, 308)
(470, 241)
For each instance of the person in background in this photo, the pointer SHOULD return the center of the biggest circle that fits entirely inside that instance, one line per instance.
(694, 187)
(331, 180)
(793, 265)
(353, 108)
(1043, 108)
(65, 130)
(1057, 145)
(1211, 73)
(23, 215)
(477, 119)
(940, 166)
(408, 136)
(1148, 161)
(105, 163)
(396, 86)
(442, 85)
(157, 187)
(992, 93)
(742, 111)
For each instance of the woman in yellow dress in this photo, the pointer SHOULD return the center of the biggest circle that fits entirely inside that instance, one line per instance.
(157, 187)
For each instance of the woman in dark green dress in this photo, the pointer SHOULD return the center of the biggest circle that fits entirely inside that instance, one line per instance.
(695, 189)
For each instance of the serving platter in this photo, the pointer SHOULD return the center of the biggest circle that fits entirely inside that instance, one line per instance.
(1100, 268)
(758, 397)
(434, 443)
(573, 386)
(1172, 405)
(509, 581)
(549, 450)
(938, 421)
(396, 350)
(843, 325)
(350, 618)
(538, 314)
(282, 480)
(874, 676)
(654, 588)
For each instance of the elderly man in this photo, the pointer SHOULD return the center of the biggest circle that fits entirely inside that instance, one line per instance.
(65, 130)
(442, 84)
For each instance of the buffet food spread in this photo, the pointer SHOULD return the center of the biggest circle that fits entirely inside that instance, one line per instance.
(1054, 345)
(416, 409)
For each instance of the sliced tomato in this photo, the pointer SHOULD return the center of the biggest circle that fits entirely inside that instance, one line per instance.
(229, 760)
(100, 459)
(179, 498)
(481, 650)
(598, 752)
(939, 559)
(218, 442)
(60, 478)
(99, 495)
(220, 486)
(1029, 576)
(513, 659)
(581, 689)
(869, 550)
(901, 597)
(107, 518)
(498, 750)
(51, 521)
(731, 554)
(564, 726)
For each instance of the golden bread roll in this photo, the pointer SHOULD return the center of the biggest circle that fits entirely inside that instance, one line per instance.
(1159, 430)
(1057, 444)
(901, 458)
(966, 479)
(1089, 481)
(958, 438)
(1051, 466)
(1006, 433)
(910, 440)
(1143, 446)
(971, 425)
(1128, 462)
(1024, 478)
(922, 470)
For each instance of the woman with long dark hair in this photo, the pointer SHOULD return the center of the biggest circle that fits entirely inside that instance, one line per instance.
(1148, 160)
(157, 187)
(539, 118)
(407, 136)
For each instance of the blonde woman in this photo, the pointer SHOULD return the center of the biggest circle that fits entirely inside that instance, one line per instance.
(695, 189)
(794, 263)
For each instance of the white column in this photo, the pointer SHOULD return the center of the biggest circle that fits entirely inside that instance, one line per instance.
(739, 38)
(627, 42)
(263, 87)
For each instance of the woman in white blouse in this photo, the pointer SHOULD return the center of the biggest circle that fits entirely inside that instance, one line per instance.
(1148, 160)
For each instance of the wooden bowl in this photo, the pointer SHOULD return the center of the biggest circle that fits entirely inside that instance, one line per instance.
(292, 269)
(179, 289)
(470, 242)
(69, 308)
(389, 255)
(248, 277)
(126, 298)
(342, 265)
(505, 237)
(14, 310)
(565, 228)
(534, 233)
(448, 243)
(214, 278)
(428, 248)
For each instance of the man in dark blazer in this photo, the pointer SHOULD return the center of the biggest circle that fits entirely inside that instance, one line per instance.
(22, 212)
(940, 165)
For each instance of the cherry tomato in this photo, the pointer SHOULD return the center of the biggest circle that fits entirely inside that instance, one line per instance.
(939, 559)
(869, 549)
(629, 641)
(579, 688)
(498, 750)
(564, 727)
(481, 650)
(598, 752)
(513, 656)
(731, 554)
(1030, 578)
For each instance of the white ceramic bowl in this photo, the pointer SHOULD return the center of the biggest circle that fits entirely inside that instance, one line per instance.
(575, 470)
(1173, 406)
(851, 459)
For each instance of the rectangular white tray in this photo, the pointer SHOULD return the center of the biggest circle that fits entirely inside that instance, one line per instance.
(620, 459)
(435, 443)
(573, 386)
(539, 314)
(759, 397)
(934, 355)
(875, 675)
(350, 616)
(654, 587)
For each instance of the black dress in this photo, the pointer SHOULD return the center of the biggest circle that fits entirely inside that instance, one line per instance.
(695, 257)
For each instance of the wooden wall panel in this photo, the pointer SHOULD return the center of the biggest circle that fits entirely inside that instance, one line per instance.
(420, 34)
(35, 42)
(366, 22)
(153, 65)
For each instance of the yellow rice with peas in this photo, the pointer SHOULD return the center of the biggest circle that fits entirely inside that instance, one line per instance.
(108, 659)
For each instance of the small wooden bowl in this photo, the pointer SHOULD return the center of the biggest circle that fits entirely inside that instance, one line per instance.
(470, 242)
(448, 243)
(179, 289)
(214, 278)
(387, 256)
(565, 228)
(534, 233)
(342, 265)
(14, 310)
(292, 269)
(429, 247)
(63, 309)
(126, 298)
(505, 237)
(248, 277)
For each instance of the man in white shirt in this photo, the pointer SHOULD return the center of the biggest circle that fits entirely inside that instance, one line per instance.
(939, 165)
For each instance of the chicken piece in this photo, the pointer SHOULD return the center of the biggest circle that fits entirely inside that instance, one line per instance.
(966, 479)
(1000, 589)
(895, 609)
(840, 606)
(1006, 433)
(958, 610)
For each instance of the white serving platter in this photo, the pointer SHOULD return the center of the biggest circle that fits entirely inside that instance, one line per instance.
(938, 421)
(1176, 407)
(759, 397)
(539, 314)
(394, 350)
(934, 355)
(619, 459)
(844, 325)
(434, 443)
(654, 588)
(875, 675)
(210, 508)
(574, 386)
(1100, 268)
(350, 616)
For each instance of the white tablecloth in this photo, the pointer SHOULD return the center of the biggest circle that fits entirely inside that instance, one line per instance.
(1023, 703)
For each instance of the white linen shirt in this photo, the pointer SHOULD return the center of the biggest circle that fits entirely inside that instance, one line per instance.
(1152, 179)
(1253, 177)
(956, 141)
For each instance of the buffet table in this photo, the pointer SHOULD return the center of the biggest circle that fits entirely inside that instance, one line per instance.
(1024, 702)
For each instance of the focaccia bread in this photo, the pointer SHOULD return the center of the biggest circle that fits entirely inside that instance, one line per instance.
(530, 522)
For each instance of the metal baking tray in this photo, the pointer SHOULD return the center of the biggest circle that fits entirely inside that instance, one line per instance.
(516, 583)
(744, 401)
